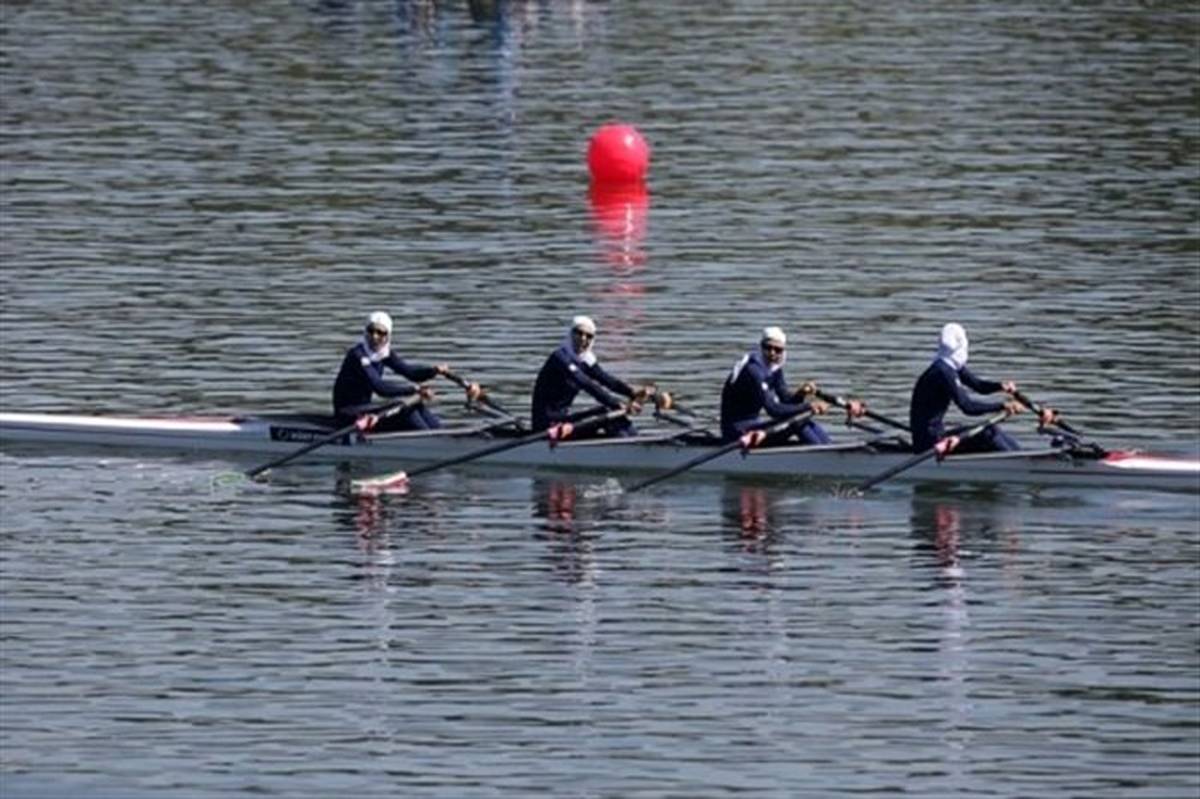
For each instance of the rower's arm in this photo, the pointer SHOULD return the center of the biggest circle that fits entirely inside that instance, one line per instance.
(977, 383)
(418, 373)
(611, 381)
(968, 404)
(388, 388)
(596, 391)
(776, 398)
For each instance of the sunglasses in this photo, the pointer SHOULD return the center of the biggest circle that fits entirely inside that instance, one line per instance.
(378, 332)
(583, 334)
(772, 348)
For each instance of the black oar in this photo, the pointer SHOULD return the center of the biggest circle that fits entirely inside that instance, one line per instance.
(669, 413)
(868, 428)
(657, 393)
(484, 400)
(391, 409)
(677, 420)
(778, 427)
(675, 406)
(400, 477)
(1036, 408)
(842, 402)
(936, 449)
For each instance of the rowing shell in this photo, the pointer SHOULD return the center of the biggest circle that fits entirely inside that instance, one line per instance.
(274, 435)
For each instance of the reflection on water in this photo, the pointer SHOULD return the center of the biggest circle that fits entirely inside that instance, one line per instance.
(619, 218)
(748, 510)
(569, 546)
(952, 528)
(941, 524)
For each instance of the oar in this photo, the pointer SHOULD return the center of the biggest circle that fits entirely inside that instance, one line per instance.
(397, 478)
(1036, 408)
(383, 412)
(484, 398)
(655, 391)
(778, 427)
(676, 408)
(937, 449)
(676, 419)
(867, 428)
(842, 402)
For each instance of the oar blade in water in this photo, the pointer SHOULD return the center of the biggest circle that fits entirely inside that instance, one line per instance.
(394, 483)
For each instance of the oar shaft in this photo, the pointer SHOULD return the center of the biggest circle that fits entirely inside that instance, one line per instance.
(842, 402)
(502, 446)
(384, 412)
(307, 448)
(929, 453)
(683, 467)
(778, 427)
(1037, 408)
(674, 419)
(675, 406)
(479, 453)
(895, 470)
(484, 399)
(685, 410)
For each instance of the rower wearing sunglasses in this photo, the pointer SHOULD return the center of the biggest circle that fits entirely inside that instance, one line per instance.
(757, 384)
(572, 368)
(361, 378)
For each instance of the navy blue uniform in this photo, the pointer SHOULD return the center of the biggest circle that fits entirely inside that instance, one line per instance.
(752, 388)
(562, 377)
(935, 389)
(360, 379)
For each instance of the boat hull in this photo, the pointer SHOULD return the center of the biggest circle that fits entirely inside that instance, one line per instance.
(276, 436)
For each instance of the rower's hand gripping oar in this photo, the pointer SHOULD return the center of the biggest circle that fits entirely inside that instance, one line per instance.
(746, 442)
(365, 421)
(842, 402)
(667, 409)
(941, 449)
(483, 399)
(553, 434)
(1041, 410)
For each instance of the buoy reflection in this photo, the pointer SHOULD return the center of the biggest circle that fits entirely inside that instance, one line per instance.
(619, 221)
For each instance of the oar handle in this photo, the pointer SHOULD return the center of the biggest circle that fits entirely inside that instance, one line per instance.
(1036, 408)
(484, 398)
(675, 406)
(919, 458)
(842, 402)
(704, 418)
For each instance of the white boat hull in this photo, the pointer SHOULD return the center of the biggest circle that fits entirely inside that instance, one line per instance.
(270, 437)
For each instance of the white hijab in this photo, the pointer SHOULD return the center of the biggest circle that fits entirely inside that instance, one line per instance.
(952, 346)
(773, 334)
(586, 355)
(376, 319)
(375, 356)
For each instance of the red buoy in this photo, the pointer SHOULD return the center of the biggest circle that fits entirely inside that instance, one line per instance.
(617, 154)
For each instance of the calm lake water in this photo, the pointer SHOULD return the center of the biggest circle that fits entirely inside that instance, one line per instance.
(200, 202)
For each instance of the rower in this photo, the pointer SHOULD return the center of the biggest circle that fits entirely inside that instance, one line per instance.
(757, 383)
(361, 377)
(574, 367)
(943, 382)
